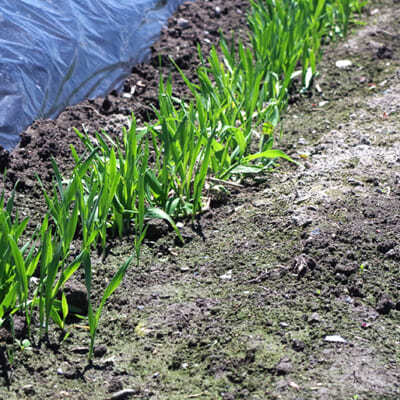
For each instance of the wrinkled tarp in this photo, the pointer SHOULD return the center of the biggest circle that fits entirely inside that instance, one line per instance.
(55, 53)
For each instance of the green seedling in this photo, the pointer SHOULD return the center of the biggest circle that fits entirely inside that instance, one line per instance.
(55, 269)
(17, 265)
(94, 316)
(225, 131)
(183, 147)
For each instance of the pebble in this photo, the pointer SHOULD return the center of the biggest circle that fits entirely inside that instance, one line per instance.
(227, 275)
(343, 64)
(79, 350)
(217, 11)
(183, 23)
(284, 367)
(334, 339)
(280, 384)
(294, 385)
(346, 269)
(29, 390)
(99, 351)
(348, 299)
(122, 394)
(390, 253)
(301, 220)
(355, 182)
(314, 318)
(307, 165)
(260, 203)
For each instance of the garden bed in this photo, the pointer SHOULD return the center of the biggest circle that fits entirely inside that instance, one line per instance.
(287, 288)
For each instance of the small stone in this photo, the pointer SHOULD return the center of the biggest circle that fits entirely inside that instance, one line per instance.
(307, 164)
(301, 220)
(314, 318)
(335, 339)
(346, 269)
(343, 64)
(391, 253)
(294, 385)
(123, 394)
(385, 304)
(260, 203)
(227, 276)
(71, 374)
(99, 351)
(280, 384)
(183, 23)
(64, 393)
(29, 390)
(348, 300)
(284, 367)
(217, 11)
(355, 182)
(79, 350)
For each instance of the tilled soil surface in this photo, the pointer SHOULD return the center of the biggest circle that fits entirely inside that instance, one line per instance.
(287, 289)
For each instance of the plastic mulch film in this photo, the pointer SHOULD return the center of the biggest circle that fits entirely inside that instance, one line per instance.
(55, 53)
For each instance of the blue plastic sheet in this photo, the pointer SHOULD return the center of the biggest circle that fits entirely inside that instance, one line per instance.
(54, 53)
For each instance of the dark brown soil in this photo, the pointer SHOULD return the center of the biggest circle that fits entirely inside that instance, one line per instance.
(289, 290)
(194, 24)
